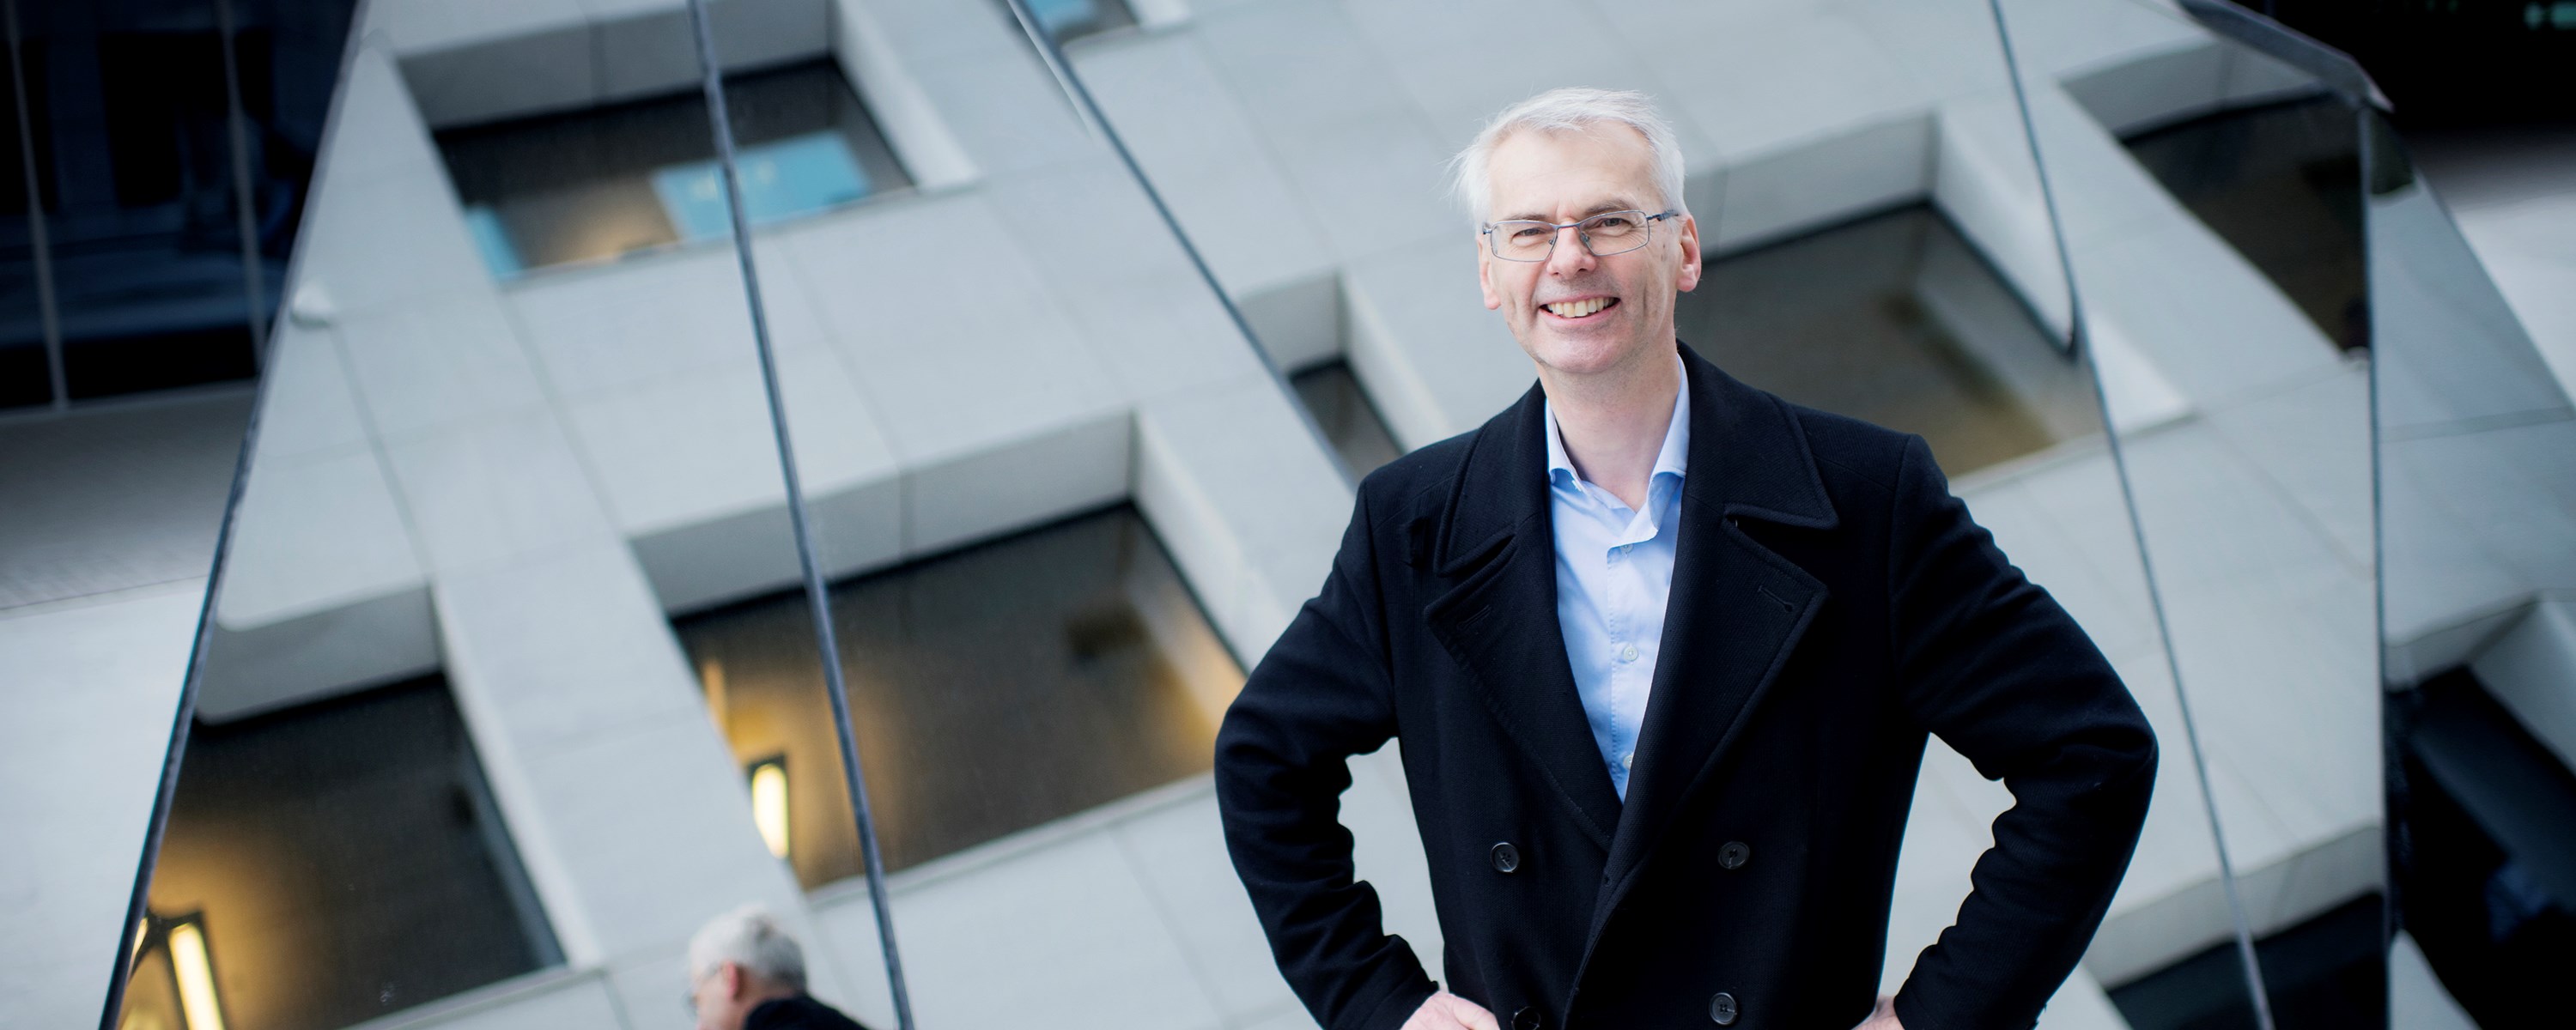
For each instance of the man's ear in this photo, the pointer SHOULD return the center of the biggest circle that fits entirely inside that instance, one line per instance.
(1686, 277)
(1485, 275)
(736, 984)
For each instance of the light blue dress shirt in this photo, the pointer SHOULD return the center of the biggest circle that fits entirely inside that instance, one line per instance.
(1614, 569)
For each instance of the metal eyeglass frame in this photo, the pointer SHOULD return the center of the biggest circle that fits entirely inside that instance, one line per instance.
(1494, 244)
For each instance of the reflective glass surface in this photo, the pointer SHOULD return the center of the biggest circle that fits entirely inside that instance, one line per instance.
(607, 181)
(999, 688)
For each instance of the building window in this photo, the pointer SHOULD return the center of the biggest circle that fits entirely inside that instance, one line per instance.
(329, 864)
(1342, 410)
(1896, 319)
(2282, 185)
(992, 690)
(598, 184)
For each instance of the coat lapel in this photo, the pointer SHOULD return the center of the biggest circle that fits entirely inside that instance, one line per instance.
(1497, 550)
(1736, 610)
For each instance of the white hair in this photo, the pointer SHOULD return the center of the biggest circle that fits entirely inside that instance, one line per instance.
(751, 938)
(1572, 109)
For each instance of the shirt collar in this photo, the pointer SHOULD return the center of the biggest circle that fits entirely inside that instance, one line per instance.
(1673, 459)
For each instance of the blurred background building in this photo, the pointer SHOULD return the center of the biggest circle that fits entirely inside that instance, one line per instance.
(506, 685)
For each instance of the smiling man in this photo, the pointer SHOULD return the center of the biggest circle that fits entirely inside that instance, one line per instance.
(1663, 652)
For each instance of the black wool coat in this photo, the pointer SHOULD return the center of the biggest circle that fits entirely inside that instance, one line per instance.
(1832, 604)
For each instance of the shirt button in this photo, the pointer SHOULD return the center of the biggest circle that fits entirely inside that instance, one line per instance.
(1628, 653)
(1628, 761)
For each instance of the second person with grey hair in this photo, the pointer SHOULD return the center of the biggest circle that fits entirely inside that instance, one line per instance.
(1663, 651)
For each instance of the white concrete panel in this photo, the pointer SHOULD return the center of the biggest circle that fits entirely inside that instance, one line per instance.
(397, 237)
(646, 46)
(2080, 1004)
(377, 132)
(1199, 146)
(2312, 442)
(2513, 490)
(575, 1001)
(343, 647)
(2446, 577)
(953, 337)
(1178, 853)
(1461, 71)
(494, 490)
(1985, 180)
(436, 361)
(1757, 80)
(525, 72)
(2059, 39)
(1069, 932)
(1435, 361)
(655, 827)
(1819, 181)
(1386, 847)
(2181, 81)
(1235, 486)
(698, 447)
(566, 650)
(595, 330)
(311, 533)
(2199, 313)
(308, 406)
(94, 684)
(1006, 111)
(1055, 471)
(2113, 611)
(1299, 325)
(885, 76)
(1363, 160)
(1943, 48)
(2530, 669)
(410, 26)
(1156, 324)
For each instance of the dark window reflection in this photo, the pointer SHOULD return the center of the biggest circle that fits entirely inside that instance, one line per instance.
(992, 690)
(338, 861)
(1895, 319)
(2282, 185)
(2485, 852)
(596, 184)
(1342, 410)
(134, 174)
(2324, 974)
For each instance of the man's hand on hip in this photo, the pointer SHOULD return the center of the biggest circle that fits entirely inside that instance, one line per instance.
(1446, 1011)
(1881, 1018)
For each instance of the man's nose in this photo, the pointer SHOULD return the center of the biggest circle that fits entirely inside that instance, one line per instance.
(1569, 256)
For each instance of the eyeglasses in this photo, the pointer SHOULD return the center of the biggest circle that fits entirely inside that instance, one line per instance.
(1604, 234)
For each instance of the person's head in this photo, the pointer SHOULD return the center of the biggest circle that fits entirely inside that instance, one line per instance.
(738, 960)
(1564, 156)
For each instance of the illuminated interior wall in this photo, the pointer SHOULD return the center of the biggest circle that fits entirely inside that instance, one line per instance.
(347, 862)
(993, 689)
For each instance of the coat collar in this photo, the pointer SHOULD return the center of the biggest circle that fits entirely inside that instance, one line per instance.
(1735, 612)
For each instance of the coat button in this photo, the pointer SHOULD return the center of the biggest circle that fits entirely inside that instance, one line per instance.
(1528, 1018)
(1506, 857)
(1733, 854)
(1721, 1009)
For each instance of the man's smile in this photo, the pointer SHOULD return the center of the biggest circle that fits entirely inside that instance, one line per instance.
(1572, 310)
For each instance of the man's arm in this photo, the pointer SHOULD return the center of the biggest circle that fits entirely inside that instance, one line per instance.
(1321, 695)
(1993, 666)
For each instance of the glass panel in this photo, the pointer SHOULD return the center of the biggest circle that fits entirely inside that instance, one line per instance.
(998, 688)
(2477, 480)
(2209, 197)
(603, 182)
(345, 859)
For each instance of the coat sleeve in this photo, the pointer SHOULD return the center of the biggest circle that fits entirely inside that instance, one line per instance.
(1321, 695)
(1990, 663)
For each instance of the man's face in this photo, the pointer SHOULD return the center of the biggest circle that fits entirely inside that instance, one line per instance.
(1565, 177)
